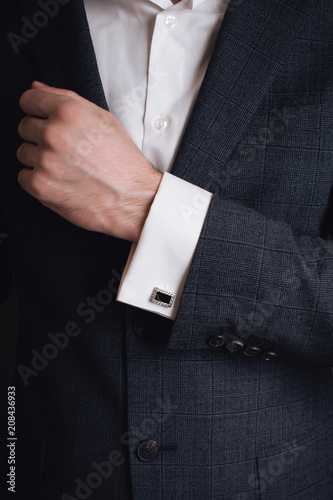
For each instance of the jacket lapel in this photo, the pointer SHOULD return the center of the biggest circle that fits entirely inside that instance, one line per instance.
(64, 50)
(254, 40)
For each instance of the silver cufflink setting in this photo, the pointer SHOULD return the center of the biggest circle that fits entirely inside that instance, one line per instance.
(162, 297)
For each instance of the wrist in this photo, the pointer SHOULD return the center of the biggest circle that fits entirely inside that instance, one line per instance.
(145, 201)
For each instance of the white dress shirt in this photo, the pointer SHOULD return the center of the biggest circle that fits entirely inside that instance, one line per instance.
(152, 57)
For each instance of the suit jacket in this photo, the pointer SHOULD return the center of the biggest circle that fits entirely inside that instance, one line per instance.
(234, 399)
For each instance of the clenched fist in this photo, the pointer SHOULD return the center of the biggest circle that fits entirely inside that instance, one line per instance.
(82, 164)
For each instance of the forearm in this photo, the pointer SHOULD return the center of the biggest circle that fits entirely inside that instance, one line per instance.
(255, 280)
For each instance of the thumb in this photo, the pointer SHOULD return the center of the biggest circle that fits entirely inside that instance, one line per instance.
(53, 90)
(39, 85)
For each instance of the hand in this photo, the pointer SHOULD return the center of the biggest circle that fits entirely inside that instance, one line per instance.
(82, 164)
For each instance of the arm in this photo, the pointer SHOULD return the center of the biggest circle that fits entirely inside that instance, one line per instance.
(162, 258)
(251, 277)
(82, 164)
(254, 280)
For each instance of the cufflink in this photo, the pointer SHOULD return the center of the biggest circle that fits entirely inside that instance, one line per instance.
(162, 297)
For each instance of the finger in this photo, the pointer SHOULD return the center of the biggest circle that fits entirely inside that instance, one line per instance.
(42, 103)
(27, 154)
(30, 129)
(34, 183)
(37, 103)
(24, 178)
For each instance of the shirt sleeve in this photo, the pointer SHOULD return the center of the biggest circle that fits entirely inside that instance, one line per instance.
(157, 266)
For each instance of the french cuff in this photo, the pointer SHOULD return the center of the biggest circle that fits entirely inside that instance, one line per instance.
(157, 266)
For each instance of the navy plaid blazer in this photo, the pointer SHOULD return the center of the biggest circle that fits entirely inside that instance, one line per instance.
(234, 399)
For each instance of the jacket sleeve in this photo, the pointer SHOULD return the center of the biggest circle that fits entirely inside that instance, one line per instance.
(254, 283)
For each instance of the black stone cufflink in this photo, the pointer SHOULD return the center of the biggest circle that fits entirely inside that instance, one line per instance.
(162, 297)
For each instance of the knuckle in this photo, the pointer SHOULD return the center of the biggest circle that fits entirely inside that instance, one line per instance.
(47, 135)
(36, 186)
(43, 99)
(43, 160)
(68, 110)
(70, 93)
(52, 137)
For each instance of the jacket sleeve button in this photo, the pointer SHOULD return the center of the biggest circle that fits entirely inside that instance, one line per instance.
(252, 351)
(235, 345)
(216, 341)
(269, 356)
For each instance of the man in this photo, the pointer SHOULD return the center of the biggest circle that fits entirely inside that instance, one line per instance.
(210, 376)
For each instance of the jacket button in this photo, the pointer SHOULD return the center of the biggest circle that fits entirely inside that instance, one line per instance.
(269, 356)
(235, 345)
(252, 351)
(147, 450)
(216, 341)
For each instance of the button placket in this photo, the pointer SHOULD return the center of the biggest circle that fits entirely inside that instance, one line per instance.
(161, 121)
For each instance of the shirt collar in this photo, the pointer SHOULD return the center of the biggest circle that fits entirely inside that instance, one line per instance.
(165, 4)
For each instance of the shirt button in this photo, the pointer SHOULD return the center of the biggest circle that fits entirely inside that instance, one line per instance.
(161, 124)
(147, 450)
(170, 22)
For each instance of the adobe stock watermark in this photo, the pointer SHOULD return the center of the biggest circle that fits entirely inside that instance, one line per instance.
(31, 27)
(274, 467)
(199, 203)
(266, 135)
(314, 260)
(86, 147)
(311, 266)
(102, 471)
(246, 326)
(88, 309)
(150, 423)
(123, 106)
